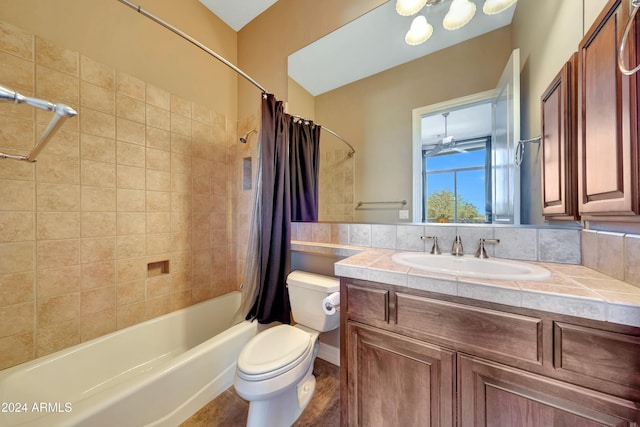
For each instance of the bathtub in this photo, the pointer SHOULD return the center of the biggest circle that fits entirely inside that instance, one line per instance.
(156, 373)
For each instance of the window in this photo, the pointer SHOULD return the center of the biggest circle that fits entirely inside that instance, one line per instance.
(457, 183)
(456, 164)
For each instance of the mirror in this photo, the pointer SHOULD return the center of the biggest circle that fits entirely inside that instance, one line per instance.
(455, 165)
(374, 112)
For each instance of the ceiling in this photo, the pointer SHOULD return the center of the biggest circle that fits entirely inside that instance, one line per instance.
(365, 46)
(237, 13)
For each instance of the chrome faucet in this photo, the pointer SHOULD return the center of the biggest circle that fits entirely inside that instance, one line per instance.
(457, 249)
(435, 249)
(481, 252)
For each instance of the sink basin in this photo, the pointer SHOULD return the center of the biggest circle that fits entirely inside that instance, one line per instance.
(469, 266)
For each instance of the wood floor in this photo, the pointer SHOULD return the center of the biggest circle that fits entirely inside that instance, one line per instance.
(230, 410)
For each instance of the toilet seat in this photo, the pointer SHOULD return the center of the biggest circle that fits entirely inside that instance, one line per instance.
(273, 352)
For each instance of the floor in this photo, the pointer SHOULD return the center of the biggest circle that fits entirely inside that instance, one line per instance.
(230, 410)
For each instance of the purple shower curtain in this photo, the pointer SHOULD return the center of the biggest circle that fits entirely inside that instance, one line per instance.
(272, 301)
(288, 151)
(305, 167)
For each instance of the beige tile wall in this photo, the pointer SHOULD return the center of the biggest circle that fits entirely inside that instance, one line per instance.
(139, 176)
(336, 191)
(243, 204)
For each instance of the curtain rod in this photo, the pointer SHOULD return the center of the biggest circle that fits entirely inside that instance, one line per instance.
(217, 56)
(353, 150)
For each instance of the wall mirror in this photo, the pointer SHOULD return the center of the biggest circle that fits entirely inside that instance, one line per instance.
(469, 174)
(381, 112)
(456, 164)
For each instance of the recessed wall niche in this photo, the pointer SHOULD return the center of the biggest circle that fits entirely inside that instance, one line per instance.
(246, 173)
(157, 268)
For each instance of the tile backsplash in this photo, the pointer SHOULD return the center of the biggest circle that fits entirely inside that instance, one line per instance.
(614, 254)
(521, 243)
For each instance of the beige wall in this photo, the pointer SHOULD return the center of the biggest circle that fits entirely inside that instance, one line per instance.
(265, 43)
(300, 102)
(547, 33)
(112, 33)
(148, 171)
(375, 114)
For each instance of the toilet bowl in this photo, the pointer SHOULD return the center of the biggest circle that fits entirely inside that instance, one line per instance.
(275, 368)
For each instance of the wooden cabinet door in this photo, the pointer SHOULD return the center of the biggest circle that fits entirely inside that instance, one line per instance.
(495, 395)
(398, 381)
(607, 120)
(559, 145)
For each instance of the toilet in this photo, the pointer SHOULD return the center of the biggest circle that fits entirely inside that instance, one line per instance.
(275, 368)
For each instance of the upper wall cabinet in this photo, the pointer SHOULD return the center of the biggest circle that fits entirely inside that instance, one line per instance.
(559, 145)
(607, 120)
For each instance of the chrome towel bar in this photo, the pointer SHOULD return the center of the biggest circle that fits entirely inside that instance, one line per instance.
(361, 204)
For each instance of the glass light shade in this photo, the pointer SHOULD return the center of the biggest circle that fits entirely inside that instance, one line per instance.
(491, 7)
(419, 32)
(460, 13)
(409, 7)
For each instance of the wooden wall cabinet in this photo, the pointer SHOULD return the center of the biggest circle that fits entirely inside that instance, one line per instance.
(608, 120)
(412, 358)
(559, 145)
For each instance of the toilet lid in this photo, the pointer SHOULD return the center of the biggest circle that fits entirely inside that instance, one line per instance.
(274, 351)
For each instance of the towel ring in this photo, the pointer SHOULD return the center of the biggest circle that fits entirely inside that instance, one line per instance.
(621, 65)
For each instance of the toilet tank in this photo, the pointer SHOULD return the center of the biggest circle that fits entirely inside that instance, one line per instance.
(306, 292)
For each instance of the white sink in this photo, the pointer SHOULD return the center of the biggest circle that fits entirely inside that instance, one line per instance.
(469, 266)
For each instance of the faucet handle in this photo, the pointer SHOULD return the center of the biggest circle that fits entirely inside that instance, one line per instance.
(481, 252)
(457, 248)
(435, 249)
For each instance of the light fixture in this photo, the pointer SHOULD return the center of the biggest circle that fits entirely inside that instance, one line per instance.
(409, 7)
(460, 13)
(491, 7)
(419, 32)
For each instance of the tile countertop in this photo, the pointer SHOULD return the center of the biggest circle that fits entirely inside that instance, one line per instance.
(572, 289)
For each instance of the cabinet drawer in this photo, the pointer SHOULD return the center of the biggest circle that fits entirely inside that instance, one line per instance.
(605, 355)
(367, 304)
(504, 335)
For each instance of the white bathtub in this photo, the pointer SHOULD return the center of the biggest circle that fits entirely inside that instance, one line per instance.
(156, 373)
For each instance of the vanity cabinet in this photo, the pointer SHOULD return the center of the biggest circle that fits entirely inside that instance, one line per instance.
(608, 154)
(414, 358)
(559, 145)
(399, 381)
(497, 395)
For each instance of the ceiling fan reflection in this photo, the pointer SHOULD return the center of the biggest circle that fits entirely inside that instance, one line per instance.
(446, 144)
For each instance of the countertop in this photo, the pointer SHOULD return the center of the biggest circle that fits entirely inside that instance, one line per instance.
(572, 289)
